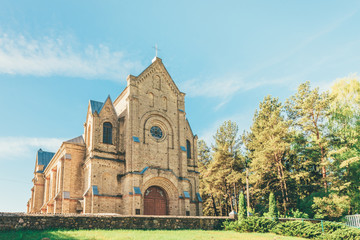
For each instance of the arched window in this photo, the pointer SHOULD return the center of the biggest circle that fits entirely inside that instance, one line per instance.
(188, 149)
(107, 133)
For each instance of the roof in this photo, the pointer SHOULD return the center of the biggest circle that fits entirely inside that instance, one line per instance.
(155, 61)
(96, 106)
(43, 157)
(79, 140)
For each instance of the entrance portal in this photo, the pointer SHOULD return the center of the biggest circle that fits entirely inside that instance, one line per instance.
(155, 201)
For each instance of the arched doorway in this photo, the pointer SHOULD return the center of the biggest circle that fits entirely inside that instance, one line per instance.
(155, 201)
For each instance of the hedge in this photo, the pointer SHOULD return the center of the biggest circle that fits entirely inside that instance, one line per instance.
(305, 229)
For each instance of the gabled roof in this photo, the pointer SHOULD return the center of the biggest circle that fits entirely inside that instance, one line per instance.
(158, 64)
(43, 157)
(78, 140)
(96, 106)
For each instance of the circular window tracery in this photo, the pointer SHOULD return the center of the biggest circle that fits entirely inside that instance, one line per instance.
(156, 132)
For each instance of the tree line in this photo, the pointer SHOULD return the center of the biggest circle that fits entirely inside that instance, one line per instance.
(304, 150)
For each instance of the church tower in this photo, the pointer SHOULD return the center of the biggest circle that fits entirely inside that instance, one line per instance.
(139, 152)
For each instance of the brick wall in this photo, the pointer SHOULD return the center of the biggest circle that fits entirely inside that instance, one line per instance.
(17, 221)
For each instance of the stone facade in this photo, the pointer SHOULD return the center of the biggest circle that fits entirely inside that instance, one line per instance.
(139, 143)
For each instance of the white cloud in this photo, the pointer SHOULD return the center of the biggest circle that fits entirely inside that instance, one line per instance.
(47, 56)
(223, 88)
(25, 147)
(220, 87)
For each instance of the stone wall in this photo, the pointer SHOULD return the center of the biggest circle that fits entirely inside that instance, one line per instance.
(17, 221)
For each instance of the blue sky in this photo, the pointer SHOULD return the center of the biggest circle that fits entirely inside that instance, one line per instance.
(225, 55)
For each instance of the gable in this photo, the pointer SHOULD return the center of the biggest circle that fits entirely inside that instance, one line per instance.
(95, 106)
(107, 108)
(157, 70)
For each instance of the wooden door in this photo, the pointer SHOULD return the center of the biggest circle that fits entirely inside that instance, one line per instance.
(155, 202)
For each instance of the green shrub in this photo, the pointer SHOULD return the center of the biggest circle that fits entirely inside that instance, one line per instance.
(273, 211)
(242, 211)
(297, 229)
(256, 224)
(297, 214)
(231, 225)
(342, 233)
(330, 227)
(305, 205)
(305, 229)
(251, 224)
(332, 207)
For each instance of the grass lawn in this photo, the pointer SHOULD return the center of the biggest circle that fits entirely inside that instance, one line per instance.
(139, 234)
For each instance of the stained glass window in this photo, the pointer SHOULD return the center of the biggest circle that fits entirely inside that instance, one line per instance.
(156, 132)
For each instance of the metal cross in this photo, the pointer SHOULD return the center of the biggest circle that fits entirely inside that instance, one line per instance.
(156, 50)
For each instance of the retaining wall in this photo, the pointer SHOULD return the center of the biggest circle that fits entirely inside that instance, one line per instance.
(17, 221)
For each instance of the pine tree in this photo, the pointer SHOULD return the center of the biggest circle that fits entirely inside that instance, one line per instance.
(204, 161)
(308, 109)
(242, 212)
(267, 146)
(344, 129)
(224, 173)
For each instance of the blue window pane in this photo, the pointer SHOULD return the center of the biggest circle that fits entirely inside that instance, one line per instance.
(199, 197)
(137, 190)
(107, 133)
(95, 190)
(136, 139)
(188, 148)
(186, 194)
(156, 132)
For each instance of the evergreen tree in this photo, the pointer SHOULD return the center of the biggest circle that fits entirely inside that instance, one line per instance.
(308, 109)
(204, 160)
(242, 212)
(267, 146)
(344, 129)
(294, 152)
(224, 173)
(273, 211)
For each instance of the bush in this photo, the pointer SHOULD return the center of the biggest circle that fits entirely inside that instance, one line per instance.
(333, 230)
(231, 225)
(256, 224)
(251, 224)
(305, 229)
(305, 205)
(330, 227)
(332, 207)
(297, 214)
(340, 234)
(273, 211)
(242, 211)
(298, 229)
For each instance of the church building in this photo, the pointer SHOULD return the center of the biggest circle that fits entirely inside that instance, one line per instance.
(137, 156)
